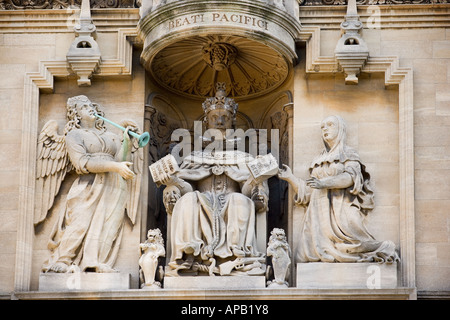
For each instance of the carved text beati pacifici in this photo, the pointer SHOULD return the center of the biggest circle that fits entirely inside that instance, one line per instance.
(219, 18)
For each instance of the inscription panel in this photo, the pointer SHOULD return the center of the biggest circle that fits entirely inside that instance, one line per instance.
(260, 26)
(218, 17)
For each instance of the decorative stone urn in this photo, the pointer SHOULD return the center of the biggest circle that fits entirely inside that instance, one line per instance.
(190, 45)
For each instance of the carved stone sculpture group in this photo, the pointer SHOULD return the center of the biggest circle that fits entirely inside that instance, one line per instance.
(212, 197)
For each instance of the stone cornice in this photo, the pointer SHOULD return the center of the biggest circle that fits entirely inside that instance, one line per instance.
(62, 4)
(402, 293)
(62, 21)
(327, 17)
(379, 16)
(328, 3)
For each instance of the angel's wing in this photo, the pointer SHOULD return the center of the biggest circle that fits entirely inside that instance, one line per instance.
(52, 165)
(134, 185)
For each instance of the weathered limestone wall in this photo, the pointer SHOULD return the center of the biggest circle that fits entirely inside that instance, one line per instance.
(370, 109)
(427, 51)
(20, 53)
(429, 55)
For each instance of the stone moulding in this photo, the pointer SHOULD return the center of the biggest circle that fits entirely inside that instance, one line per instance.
(376, 17)
(63, 21)
(219, 294)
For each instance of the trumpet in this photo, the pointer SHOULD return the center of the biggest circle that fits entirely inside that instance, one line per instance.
(143, 139)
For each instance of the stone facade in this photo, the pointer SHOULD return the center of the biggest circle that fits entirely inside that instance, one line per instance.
(397, 117)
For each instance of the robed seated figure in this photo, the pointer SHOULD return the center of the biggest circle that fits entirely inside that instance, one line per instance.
(213, 200)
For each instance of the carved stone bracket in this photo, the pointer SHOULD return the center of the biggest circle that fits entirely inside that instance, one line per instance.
(351, 51)
(84, 53)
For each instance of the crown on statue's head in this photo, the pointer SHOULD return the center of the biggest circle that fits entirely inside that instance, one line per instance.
(220, 101)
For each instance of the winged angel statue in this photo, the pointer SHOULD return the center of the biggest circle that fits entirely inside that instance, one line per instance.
(89, 226)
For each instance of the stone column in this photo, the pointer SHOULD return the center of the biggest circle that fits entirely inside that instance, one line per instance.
(289, 109)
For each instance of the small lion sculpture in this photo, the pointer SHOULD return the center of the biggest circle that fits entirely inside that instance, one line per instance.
(151, 250)
(278, 248)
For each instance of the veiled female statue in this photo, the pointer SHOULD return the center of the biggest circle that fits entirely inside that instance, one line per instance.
(213, 200)
(338, 196)
(89, 226)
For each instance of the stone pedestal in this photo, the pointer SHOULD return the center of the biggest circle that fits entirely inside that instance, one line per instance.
(346, 275)
(224, 282)
(84, 281)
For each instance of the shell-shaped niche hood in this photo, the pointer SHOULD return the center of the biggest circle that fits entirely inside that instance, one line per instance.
(191, 45)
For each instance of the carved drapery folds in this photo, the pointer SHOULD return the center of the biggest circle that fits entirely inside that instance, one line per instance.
(63, 4)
